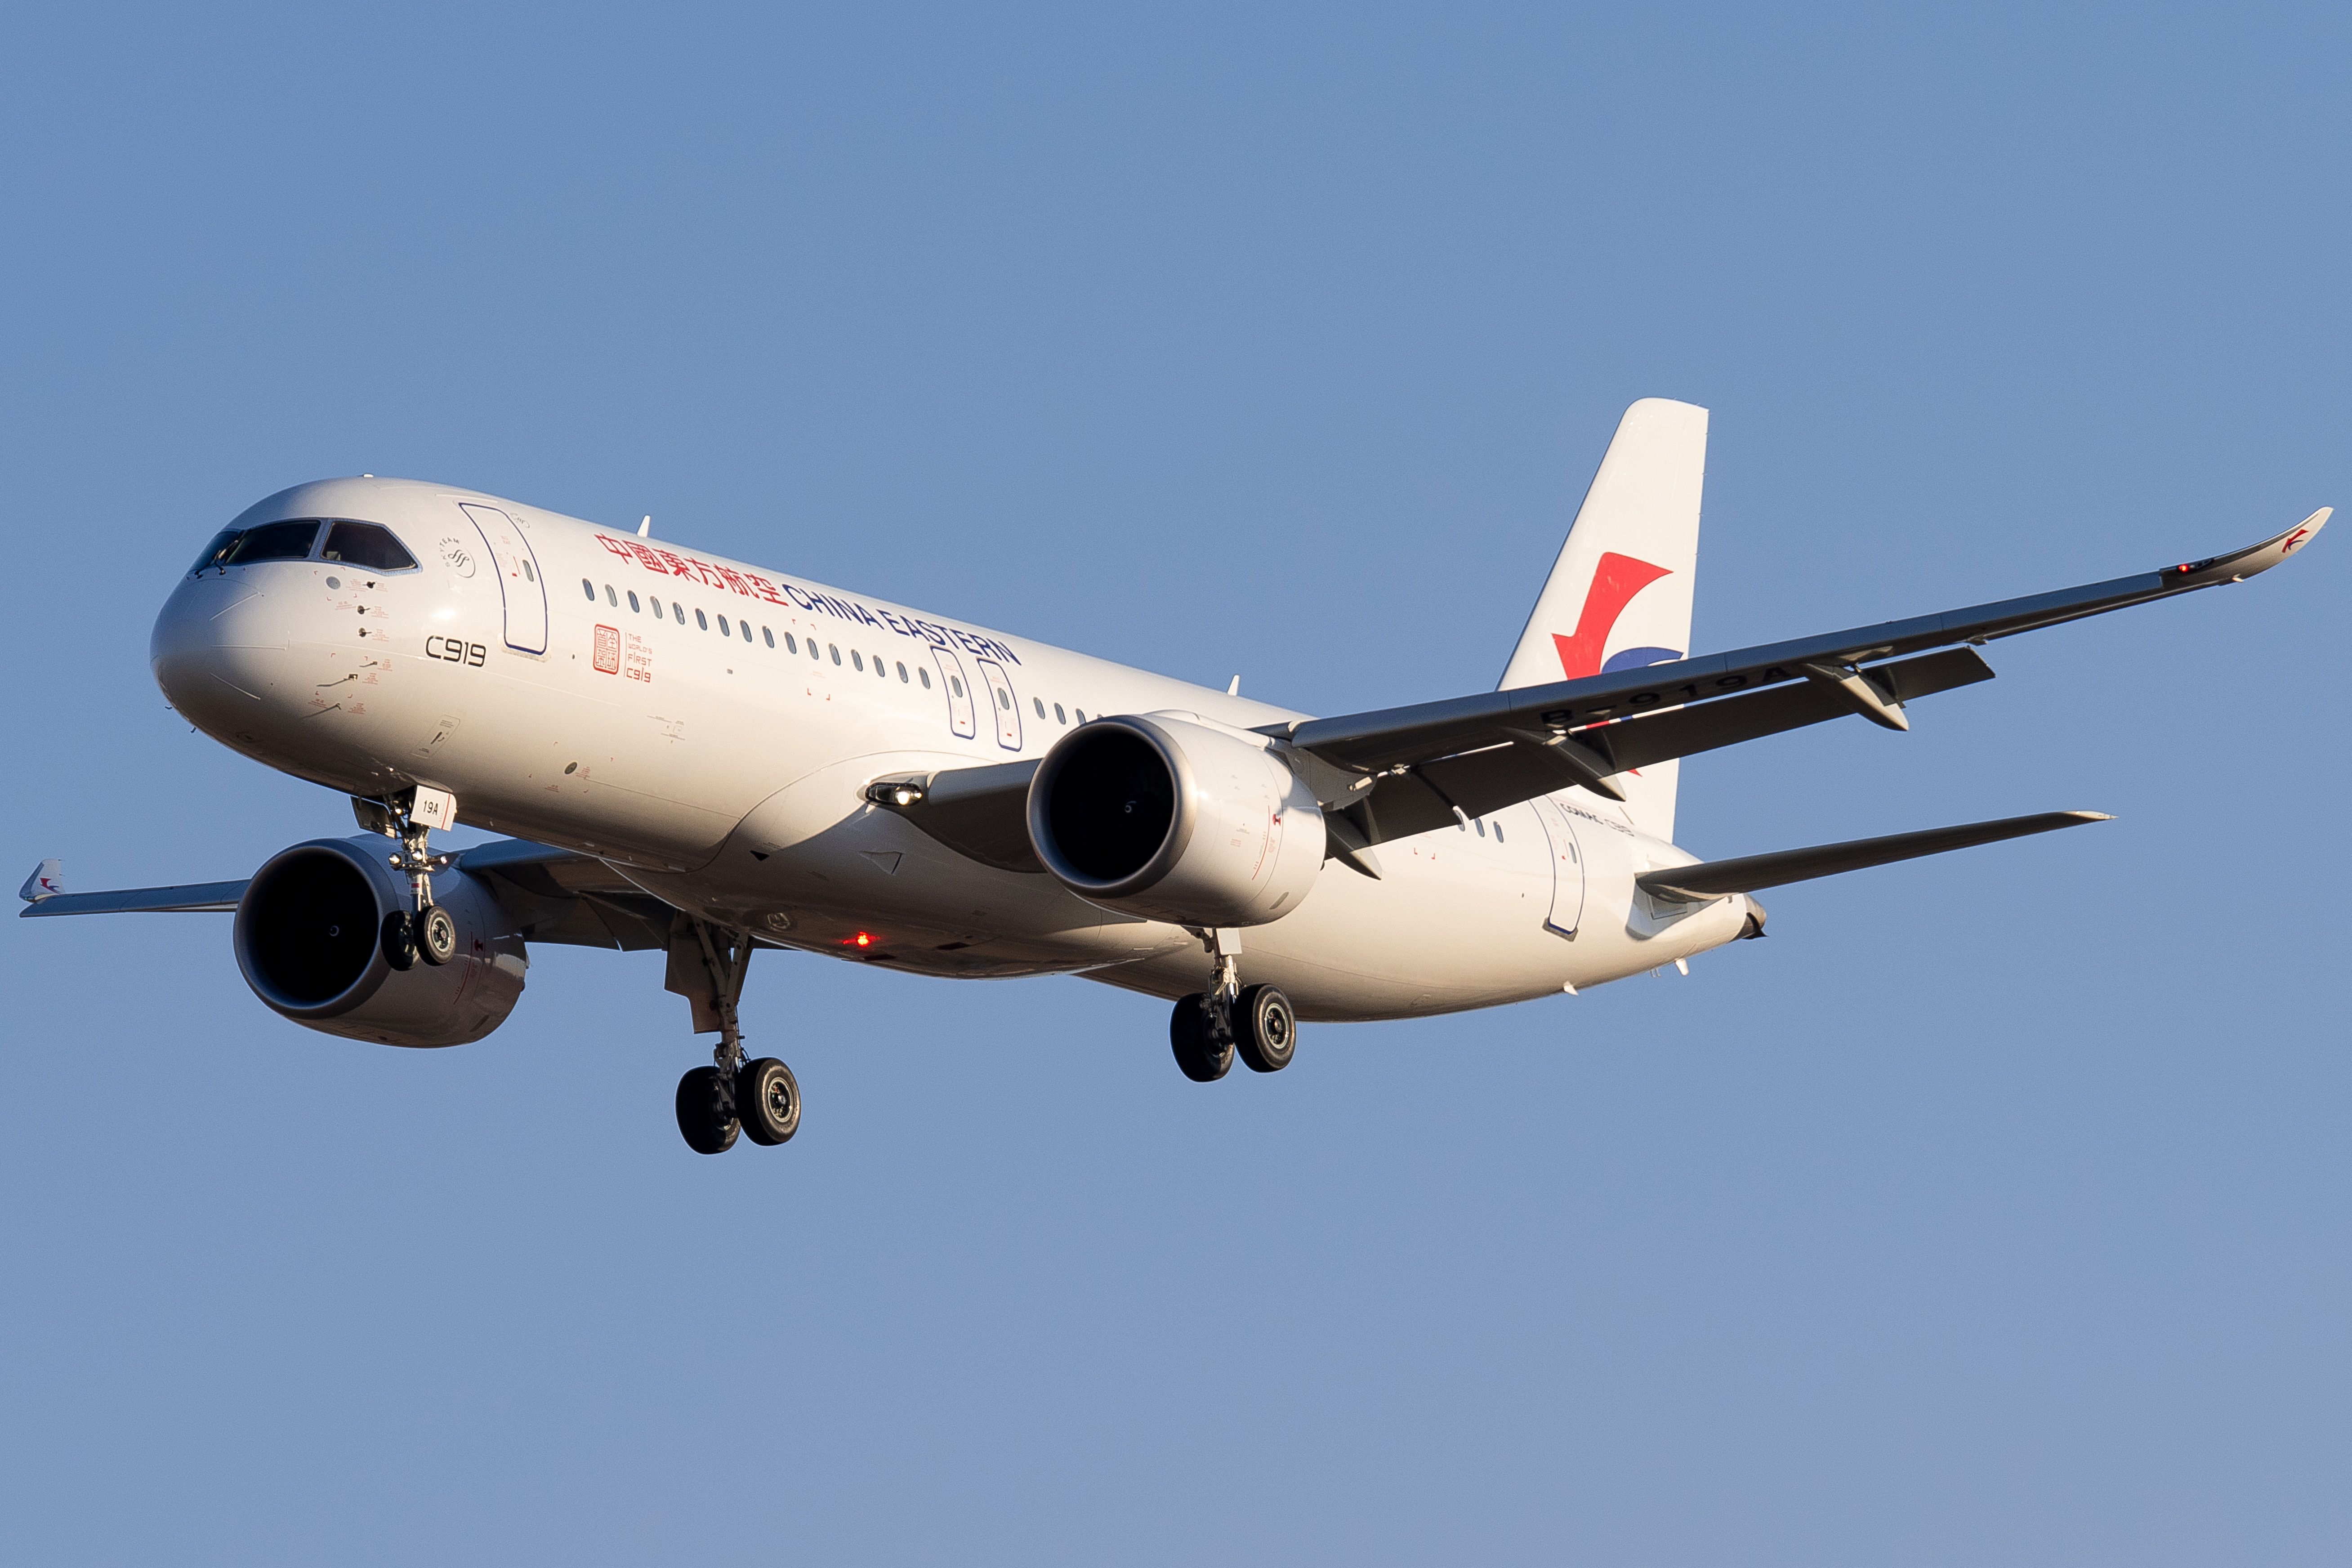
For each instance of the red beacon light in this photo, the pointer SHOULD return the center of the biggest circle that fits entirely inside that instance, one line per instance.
(862, 939)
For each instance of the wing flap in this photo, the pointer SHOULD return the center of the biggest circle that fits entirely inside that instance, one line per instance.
(1486, 780)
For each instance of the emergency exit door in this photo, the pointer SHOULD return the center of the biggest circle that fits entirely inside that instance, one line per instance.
(960, 710)
(1008, 707)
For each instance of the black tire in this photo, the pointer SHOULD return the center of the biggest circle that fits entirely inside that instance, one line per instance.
(705, 1111)
(1202, 1056)
(1265, 1030)
(768, 1101)
(436, 936)
(399, 939)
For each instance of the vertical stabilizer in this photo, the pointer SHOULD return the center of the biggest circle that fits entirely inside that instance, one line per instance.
(1619, 597)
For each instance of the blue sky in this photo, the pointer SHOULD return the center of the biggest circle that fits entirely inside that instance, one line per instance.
(1993, 1210)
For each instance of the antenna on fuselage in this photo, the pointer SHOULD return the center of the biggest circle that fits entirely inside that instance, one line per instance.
(645, 528)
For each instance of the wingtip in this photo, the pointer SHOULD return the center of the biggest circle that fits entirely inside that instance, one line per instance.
(2240, 565)
(2089, 816)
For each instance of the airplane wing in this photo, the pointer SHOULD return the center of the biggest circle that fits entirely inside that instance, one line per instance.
(190, 898)
(1400, 771)
(566, 898)
(980, 813)
(1749, 873)
(1396, 772)
(554, 896)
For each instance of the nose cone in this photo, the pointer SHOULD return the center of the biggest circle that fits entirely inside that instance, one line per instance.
(216, 652)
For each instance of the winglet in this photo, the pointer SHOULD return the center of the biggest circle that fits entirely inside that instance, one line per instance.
(2240, 564)
(47, 881)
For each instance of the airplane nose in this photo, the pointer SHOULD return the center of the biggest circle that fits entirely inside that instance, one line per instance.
(215, 652)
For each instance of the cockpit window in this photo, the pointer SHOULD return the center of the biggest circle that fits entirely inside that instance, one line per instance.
(366, 544)
(274, 542)
(216, 553)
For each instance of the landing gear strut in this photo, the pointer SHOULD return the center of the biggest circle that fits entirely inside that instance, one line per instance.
(732, 1095)
(1210, 1028)
(410, 817)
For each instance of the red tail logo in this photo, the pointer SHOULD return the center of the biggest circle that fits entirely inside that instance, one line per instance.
(1614, 583)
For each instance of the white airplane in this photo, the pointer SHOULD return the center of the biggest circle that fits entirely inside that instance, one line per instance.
(708, 758)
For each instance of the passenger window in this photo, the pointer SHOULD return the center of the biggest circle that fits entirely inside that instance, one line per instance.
(528, 575)
(611, 598)
(791, 645)
(769, 635)
(956, 685)
(702, 620)
(1081, 713)
(747, 633)
(857, 660)
(1481, 827)
(1039, 704)
(588, 588)
(1005, 700)
(366, 544)
(880, 671)
(633, 601)
(902, 675)
(722, 627)
(834, 648)
(924, 676)
(1498, 833)
(275, 541)
(1058, 717)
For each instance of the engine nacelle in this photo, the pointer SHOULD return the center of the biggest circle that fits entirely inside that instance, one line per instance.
(1169, 818)
(308, 939)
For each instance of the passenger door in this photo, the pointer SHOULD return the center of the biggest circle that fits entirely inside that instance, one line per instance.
(520, 579)
(959, 712)
(1567, 868)
(1008, 707)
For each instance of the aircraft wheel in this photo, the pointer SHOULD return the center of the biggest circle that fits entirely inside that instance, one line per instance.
(1265, 1030)
(400, 940)
(705, 1111)
(767, 1100)
(436, 936)
(1203, 1057)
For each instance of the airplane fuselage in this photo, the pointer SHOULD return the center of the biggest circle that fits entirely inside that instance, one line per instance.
(709, 727)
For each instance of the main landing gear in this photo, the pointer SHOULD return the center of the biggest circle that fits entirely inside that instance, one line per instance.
(1209, 1028)
(732, 1097)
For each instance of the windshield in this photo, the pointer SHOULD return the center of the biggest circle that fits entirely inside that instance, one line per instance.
(366, 544)
(363, 544)
(273, 541)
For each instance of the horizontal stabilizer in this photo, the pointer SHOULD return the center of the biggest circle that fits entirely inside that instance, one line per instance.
(1714, 879)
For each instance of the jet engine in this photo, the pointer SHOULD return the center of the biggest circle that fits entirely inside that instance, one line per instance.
(1169, 818)
(308, 939)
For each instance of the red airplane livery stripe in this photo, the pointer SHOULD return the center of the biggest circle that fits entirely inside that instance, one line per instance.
(1614, 583)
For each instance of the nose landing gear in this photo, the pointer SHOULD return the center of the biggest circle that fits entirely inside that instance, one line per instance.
(760, 1099)
(410, 817)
